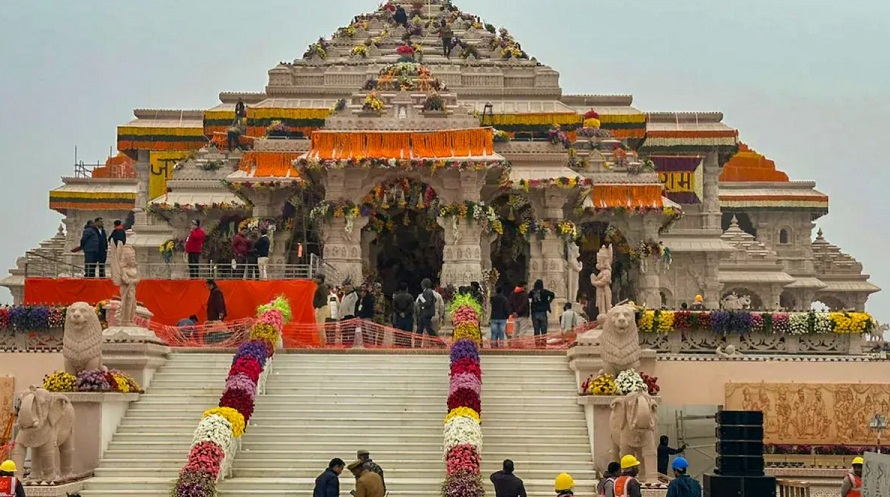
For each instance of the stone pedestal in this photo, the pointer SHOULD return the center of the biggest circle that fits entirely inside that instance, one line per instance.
(111, 313)
(135, 351)
(97, 416)
(585, 358)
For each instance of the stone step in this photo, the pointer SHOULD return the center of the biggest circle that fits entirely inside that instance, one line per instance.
(390, 472)
(432, 437)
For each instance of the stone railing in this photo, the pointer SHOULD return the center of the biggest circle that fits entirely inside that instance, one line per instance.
(34, 340)
(788, 488)
(705, 341)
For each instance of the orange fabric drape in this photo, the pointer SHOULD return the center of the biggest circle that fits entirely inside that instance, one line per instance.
(270, 164)
(628, 196)
(331, 145)
(172, 300)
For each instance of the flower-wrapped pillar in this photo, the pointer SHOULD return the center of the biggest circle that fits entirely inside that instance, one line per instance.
(343, 248)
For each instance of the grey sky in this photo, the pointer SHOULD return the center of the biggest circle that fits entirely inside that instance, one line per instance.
(806, 82)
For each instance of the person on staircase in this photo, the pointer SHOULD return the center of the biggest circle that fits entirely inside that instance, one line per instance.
(564, 485)
(328, 483)
(10, 486)
(401, 17)
(403, 315)
(852, 484)
(541, 300)
(627, 485)
(367, 482)
(606, 486)
(365, 457)
(682, 485)
(506, 484)
(447, 36)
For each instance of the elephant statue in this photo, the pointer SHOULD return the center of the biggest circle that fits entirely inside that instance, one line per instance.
(633, 424)
(46, 426)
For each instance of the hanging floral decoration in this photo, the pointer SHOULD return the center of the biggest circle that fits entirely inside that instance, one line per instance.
(405, 76)
(404, 164)
(472, 212)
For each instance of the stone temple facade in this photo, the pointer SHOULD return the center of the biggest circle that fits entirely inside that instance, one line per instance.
(384, 158)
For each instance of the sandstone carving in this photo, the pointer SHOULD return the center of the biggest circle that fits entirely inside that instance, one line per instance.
(620, 340)
(574, 267)
(728, 353)
(603, 280)
(82, 342)
(633, 424)
(46, 426)
(125, 274)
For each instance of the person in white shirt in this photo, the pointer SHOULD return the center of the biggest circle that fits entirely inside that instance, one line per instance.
(570, 319)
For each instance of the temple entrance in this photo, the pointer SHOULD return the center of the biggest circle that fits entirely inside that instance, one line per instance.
(510, 252)
(593, 236)
(407, 243)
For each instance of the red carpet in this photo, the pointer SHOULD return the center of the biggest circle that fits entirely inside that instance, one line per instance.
(171, 301)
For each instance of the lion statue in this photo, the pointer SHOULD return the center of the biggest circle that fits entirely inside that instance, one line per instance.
(82, 342)
(620, 340)
(633, 424)
(45, 425)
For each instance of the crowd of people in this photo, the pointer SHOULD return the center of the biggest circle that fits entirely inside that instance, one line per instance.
(369, 480)
(94, 243)
(250, 248)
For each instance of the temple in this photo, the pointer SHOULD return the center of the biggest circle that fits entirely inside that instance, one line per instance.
(375, 156)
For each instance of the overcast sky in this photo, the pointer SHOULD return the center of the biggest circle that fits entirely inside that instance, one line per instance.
(806, 82)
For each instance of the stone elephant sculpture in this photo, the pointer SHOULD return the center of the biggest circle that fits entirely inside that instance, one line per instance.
(46, 426)
(633, 424)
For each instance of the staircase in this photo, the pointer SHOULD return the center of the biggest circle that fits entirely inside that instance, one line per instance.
(153, 440)
(530, 414)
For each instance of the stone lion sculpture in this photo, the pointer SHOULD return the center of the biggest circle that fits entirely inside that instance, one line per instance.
(633, 424)
(620, 340)
(82, 342)
(46, 426)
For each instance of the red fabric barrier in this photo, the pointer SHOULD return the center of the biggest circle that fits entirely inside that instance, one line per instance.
(171, 301)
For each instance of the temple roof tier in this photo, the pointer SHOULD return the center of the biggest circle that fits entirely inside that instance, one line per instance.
(93, 194)
(765, 195)
(162, 130)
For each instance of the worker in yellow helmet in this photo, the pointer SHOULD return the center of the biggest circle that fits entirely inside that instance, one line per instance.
(627, 485)
(10, 486)
(852, 485)
(563, 485)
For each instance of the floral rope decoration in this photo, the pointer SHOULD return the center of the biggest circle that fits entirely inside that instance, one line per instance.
(215, 441)
(744, 322)
(463, 424)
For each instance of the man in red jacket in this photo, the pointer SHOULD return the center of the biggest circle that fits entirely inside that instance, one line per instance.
(194, 245)
(241, 247)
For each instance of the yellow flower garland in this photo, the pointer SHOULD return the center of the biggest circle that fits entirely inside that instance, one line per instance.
(265, 332)
(59, 381)
(665, 322)
(603, 385)
(467, 330)
(232, 416)
(852, 322)
(464, 412)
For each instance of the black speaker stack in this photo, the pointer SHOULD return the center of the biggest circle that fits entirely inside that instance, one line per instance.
(739, 471)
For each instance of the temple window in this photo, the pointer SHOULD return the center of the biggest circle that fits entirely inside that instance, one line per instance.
(784, 236)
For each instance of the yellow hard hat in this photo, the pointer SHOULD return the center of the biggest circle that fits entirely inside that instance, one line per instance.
(8, 466)
(629, 462)
(564, 482)
(858, 461)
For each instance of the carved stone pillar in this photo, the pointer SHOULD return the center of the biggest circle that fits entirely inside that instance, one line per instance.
(649, 283)
(712, 286)
(343, 250)
(487, 240)
(368, 257)
(143, 176)
(462, 257)
(711, 202)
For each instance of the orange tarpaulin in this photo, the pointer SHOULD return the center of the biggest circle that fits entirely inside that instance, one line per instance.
(270, 164)
(336, 145)
(628, 196)
(172, 300)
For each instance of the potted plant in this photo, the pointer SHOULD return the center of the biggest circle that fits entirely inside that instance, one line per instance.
(373, 104)
(434, 105)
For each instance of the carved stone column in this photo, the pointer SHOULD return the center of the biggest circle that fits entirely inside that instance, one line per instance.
(368, 257)
(343, 250)
(462, 257)
(712, 286)
(711, 202)
(649, 283)
(487, 240)
(143, 175)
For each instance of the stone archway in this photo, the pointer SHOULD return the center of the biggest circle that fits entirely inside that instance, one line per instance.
(511, 252)
(830, 303)
(402, 241)
(593, 235)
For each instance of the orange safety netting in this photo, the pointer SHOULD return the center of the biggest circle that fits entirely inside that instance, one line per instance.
(328, 145)
(270, 164)
(628, 196)
(221, 335)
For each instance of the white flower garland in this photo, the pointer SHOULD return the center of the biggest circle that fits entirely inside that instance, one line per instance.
(218, 431)
(462, 430)
(630, 381)
(799, 324)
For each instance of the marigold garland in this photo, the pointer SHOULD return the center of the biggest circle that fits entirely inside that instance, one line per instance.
(743, 322)
(465, 412)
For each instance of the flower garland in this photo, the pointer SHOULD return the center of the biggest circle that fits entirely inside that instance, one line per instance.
(472, 212)
(627, 382)
(372, 103)
(744, 322)
(544, 228)
(406, 164)
(463, 428)
(22, 318)
(361, 51)
(217, 437)
(94, 380)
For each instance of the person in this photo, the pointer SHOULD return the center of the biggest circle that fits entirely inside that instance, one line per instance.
(348, 309)
(365, 312)
(240, 110)
(365, 457)
(540, 309)
(684, 306)
(252, 267)
(401, 17)
(698, 304)
(665, 452)
(564, 485)
(216, 303)
(367, 482)
(852, 484)
(500, 312)
(439, 316)
(89, 244)
(189, 321)
(194, 245)
(118, 234)
(328, 482)
(627, 485)
(569, 319)
(403, 314)
(320, 303)
(99, 225)
(682, 485)
(9, 484)
(606, 485)
(506, 484)
(447, 36)
(426, 309)
(476, 291)
(330, 322)
(241, 247)
(379, 304)
(519, 304)
(262, 246)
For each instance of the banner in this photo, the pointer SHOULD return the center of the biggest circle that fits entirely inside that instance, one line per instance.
(813, 413)
(876, 475)
(683, 177)
(161, 171)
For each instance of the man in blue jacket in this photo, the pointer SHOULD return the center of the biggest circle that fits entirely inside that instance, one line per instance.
(682, 485)
(328, 483)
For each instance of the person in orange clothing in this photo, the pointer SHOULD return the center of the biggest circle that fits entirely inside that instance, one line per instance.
(852, 484)
(9, 484)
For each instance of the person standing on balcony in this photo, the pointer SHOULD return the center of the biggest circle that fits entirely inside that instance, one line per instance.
(852, 484)
(89, 244)
(262, 246)
(348, 309)
(519, 304)
(540, 310)
(99, 225)
(216, 303)
(118, 234)
(241, 247)
(253, 272)
(240, 111)
(365, 312)
(194, 245)
(500, 312)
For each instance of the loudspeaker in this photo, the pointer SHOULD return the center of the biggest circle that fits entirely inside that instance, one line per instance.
(740, 433)
(739, 448)
(739, 443)
(740, 418)
(740, 465)
(739, 486)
